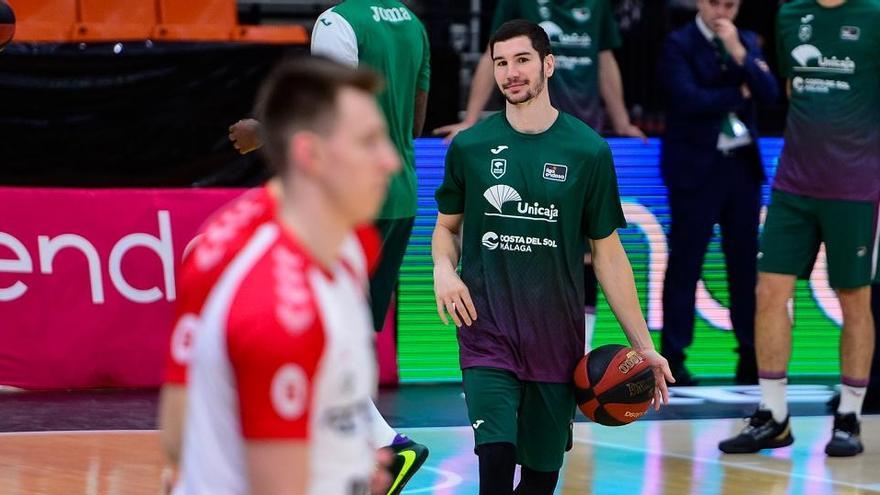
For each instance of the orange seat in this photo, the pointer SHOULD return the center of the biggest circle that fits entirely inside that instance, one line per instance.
(196, 20)
(44, 20)
(273, 34)
(115, 20)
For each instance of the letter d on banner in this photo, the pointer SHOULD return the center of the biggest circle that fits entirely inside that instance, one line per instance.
(162, 246)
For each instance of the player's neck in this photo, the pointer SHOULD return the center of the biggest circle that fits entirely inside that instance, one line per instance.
(831, 3)
(533, 117)
(314, 222)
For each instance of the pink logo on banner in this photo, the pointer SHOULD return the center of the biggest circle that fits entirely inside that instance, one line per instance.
(87, 282)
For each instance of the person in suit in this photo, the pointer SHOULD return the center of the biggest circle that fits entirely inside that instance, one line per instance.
(712, 74)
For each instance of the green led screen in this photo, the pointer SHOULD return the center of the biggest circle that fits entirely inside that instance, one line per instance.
(427, 350)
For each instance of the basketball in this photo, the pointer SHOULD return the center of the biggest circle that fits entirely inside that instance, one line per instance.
(614, 385)
(7, 24)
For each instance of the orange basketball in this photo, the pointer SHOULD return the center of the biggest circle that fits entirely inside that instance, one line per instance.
(614, 385)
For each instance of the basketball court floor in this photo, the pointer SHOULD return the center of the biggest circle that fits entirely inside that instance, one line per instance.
(669, 453)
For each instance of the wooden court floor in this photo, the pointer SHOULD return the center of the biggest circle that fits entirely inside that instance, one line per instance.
(647, 457)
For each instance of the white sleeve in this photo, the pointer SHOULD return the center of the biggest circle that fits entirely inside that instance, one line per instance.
(333, 37)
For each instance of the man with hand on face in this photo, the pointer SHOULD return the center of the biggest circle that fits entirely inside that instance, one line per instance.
(522, 191)
(712, 74)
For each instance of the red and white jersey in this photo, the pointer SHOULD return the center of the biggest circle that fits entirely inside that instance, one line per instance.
(282, 350)
(221, 237)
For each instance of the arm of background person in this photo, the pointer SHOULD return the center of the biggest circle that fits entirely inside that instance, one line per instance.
(683, 90)
(611, 89)
(421, 110)
(481, 89)
(761, 81)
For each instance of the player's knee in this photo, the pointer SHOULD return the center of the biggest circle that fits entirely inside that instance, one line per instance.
(771, 295)
(855, 304)
(536, 482)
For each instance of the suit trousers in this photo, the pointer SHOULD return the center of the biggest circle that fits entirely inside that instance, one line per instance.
(730, 198)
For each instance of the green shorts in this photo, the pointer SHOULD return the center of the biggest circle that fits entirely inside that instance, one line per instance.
(796, 226)
(536, 417)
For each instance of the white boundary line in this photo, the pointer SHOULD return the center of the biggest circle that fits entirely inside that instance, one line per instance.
(77, 432)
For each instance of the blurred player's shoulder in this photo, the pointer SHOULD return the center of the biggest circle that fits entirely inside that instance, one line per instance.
(227, 229)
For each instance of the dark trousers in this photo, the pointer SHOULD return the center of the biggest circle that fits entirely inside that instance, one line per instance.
(731, 198)
(395, 237)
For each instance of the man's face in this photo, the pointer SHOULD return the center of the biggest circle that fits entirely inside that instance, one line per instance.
(713, 10)
(357, 158)
(519, 71)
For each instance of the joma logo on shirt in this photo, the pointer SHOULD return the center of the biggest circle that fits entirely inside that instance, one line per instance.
(395, 14)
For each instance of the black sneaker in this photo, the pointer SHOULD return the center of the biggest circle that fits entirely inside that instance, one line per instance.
(762, 432)
(408, 458)
(845, 440)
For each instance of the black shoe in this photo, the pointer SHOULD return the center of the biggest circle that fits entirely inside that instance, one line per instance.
(408, 458)
(683, 377)
(762, 432)
(746, 369)
(845, 440)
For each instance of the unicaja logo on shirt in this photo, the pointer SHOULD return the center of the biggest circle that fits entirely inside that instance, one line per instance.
(559, 37)
(805, 54)
(395, 14)
(501, 194)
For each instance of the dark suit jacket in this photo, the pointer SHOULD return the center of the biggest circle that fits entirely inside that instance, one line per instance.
(698, 95)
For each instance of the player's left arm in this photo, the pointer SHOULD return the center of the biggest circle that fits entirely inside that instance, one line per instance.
(761, 81)
(423, 84)
(616, 277)
(611, 89)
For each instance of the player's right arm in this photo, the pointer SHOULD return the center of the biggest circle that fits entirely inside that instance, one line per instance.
(277, 467)
(451, 293)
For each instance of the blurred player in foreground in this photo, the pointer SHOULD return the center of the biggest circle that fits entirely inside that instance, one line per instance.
(279, 340)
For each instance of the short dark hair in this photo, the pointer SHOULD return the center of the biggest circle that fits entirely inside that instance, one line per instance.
(521, 27)
(301, 94)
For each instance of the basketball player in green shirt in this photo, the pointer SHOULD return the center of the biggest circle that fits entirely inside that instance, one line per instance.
(522, 191)
(587, 83)
(387, 37)
(826, 190)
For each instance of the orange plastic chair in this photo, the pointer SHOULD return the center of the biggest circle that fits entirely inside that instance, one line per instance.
(272, 34)
(44, 20)
(115, 20)
(196, 20)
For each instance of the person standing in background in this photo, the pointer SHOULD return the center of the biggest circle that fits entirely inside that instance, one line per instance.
(826, 191)
(712, 74)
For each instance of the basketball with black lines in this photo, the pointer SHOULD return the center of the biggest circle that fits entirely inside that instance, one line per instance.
(614, 385)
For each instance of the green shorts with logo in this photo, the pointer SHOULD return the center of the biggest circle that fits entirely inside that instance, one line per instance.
(796, 226)
(537, 417)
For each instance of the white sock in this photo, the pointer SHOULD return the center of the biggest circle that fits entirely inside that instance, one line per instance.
(851, 399)
(589, 325)
(773, 397)
(383, 433)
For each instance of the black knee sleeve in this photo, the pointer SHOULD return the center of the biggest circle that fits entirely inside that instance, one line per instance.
(591, 286)
(536, 482)
(497, 464)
